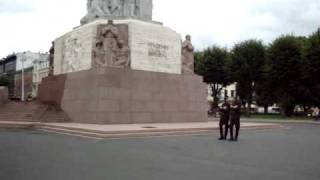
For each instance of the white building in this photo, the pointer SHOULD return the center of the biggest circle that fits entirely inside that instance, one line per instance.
(229, 92)
(40, 64)
(40, 71)
(27, 58)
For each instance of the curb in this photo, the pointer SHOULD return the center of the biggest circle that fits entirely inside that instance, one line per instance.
(282, 121)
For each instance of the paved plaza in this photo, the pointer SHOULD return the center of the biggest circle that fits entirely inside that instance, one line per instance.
(286, 154)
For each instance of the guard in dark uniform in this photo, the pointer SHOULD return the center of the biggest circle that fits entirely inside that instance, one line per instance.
(224, 120)
(235, 112)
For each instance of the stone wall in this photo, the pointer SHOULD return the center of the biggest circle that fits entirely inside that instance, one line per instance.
(124, 96)
(3, 95)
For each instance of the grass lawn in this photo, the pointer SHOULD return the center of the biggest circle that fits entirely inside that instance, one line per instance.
(276, 117)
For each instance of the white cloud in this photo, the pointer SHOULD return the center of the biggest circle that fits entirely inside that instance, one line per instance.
(33, 24)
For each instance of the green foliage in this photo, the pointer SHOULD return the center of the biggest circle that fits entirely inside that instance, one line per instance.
(264, 92)
(285, 58)
(211, 64)
(311, 73)
(248, 58)
(287, 72)
(247, 62)
(4, 80)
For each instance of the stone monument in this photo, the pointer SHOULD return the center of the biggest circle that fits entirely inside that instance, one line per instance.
(111, 46)
(51, 59)
(120, 67)
(187, 56)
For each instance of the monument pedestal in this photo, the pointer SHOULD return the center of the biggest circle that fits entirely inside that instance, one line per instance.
(4, 97)
(109, 95)
(124, 70)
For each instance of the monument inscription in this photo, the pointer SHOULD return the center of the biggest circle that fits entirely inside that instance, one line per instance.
(158, 50)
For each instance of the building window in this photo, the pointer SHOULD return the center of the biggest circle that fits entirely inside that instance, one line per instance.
(232, 93)
(226, 93)
(9, 66)
(1, 69)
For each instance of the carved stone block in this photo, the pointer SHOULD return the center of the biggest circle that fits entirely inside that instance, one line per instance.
(126, 43)
(151, 98)
(111, 47)
(118, 9)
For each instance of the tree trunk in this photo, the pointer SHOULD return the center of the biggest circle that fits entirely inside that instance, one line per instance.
(266, 109)
(249, 108)
(305, 110)
(288, 111)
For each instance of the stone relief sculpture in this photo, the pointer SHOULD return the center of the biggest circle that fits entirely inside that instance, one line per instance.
(115, 9)
(131, 8)
(187, 56)
(111, 49)
(51, 60)
(73, 50)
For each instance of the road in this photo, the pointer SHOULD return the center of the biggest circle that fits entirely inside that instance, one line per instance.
(292, 153)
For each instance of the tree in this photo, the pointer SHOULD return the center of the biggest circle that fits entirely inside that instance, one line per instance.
(311, 71)
(247, 61)
(285, 57)
(211, 64)
(264, 90)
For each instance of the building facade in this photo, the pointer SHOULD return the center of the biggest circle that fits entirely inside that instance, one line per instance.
(229, 92)
(8, 69)
(40, 71)
(27, 83)
(34, 66)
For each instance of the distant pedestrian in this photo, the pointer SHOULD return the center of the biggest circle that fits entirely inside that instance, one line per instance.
(235, 112)
(316, 114)
(224, 120)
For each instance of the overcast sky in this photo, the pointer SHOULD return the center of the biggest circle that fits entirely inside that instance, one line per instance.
(33, 24)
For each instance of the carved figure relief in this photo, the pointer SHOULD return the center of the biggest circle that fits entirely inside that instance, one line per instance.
(131, 8)
(113, 9)
(187, 56)
(111, 48)
(72, 52)
(51, 60)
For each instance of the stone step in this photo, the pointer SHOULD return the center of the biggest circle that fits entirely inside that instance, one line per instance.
(19, 120)
(16, 115)
(124, 134)
(143, 133)
(129, 131)
(146, 130)
(14, 111)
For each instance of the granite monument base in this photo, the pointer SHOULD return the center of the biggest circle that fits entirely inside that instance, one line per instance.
(124, 96)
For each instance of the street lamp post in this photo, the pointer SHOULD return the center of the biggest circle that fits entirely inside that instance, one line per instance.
(23, 59)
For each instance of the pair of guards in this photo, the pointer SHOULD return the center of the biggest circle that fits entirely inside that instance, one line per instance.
(230, 119)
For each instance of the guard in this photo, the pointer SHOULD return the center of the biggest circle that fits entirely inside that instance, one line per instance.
(224, 120)
(235, 112)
